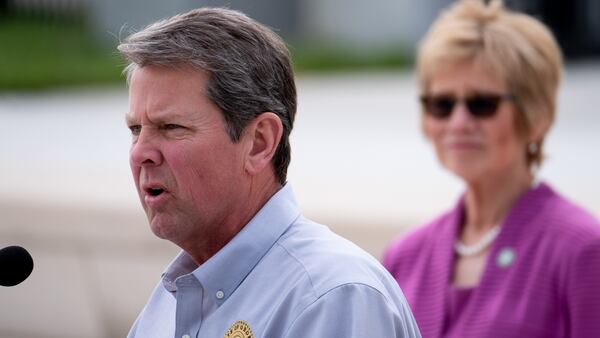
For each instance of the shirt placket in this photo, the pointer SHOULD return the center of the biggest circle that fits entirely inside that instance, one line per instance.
(188, 316)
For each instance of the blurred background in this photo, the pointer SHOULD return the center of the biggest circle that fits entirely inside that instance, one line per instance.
(359, 161)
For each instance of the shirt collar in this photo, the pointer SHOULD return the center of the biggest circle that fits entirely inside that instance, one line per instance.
(223, 273)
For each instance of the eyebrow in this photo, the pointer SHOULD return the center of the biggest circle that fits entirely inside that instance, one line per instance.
(160, 117)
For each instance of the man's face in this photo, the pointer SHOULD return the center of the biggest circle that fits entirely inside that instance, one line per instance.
(188, 173)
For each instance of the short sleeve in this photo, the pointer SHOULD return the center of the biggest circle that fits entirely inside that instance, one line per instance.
(583, 295)
(353, 311)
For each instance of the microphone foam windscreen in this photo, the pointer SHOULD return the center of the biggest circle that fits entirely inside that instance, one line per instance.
(16, 265)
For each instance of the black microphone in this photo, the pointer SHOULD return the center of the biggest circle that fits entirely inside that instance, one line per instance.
(16, 265)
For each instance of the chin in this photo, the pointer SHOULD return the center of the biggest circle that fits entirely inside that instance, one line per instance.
(467, 172)
(158, 231)
(160, 228)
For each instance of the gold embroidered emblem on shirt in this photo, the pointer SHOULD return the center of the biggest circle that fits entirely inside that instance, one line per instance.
(239, 329)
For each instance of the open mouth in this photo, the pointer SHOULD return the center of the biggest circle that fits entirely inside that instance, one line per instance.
(154, 191)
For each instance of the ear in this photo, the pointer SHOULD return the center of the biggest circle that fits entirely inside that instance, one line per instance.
(538, 130)
(264, 134)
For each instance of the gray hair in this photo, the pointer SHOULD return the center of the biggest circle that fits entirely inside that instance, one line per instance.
(249, 66)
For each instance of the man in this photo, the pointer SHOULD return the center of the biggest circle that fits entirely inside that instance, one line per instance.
(212, 104)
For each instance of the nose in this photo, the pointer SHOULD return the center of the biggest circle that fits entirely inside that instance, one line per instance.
(460, 118)
(145, 151)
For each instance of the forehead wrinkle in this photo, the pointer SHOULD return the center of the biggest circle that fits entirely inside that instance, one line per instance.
(174, 110)
(169, 105)
(171, 115)
(163, 115)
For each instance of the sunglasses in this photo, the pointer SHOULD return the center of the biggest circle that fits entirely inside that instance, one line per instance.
(478, 105)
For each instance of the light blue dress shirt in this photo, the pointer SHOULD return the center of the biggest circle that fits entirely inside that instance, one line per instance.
(281, 276)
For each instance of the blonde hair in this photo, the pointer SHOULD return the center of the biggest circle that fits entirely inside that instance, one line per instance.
(516, 47)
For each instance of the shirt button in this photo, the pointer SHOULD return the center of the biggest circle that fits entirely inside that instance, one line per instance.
(220, 294)
(186, 336)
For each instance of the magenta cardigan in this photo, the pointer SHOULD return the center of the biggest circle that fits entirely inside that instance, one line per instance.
(542, 277)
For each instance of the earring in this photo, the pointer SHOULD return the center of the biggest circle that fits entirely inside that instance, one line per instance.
(533, 148)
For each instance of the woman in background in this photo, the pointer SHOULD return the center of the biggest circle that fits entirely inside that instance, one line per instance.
(513, 258)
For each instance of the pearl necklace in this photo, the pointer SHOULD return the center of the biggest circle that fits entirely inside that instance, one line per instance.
(484, 242)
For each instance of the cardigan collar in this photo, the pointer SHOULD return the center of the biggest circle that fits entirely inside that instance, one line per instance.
(521, 214)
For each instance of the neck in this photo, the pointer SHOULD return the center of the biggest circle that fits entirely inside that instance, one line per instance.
(205, 245)
(487, 202)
